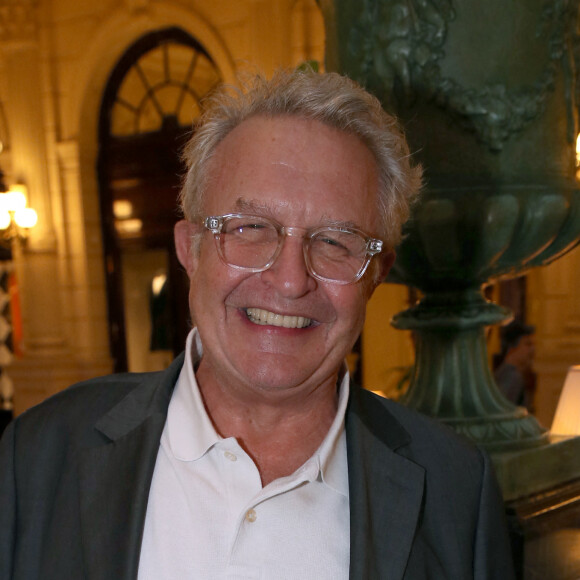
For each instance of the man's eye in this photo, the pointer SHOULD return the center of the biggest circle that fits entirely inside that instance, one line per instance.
(253, 226)
(239, 227)
(331, 242)
(254, 231)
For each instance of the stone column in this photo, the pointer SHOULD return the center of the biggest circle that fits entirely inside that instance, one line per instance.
(54, 348)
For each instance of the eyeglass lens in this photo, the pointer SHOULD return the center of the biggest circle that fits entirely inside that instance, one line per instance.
(254, 243)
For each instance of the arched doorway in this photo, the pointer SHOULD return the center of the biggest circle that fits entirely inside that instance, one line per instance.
(149, 107)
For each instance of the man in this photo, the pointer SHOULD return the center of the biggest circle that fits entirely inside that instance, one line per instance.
(252, 456)
(515, 376)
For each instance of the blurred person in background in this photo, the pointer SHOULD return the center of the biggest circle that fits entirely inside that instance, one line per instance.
(515, 375)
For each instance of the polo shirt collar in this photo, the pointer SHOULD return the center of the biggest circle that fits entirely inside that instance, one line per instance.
(190, 433)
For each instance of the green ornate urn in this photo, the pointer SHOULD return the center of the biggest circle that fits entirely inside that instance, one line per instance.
(487, 94)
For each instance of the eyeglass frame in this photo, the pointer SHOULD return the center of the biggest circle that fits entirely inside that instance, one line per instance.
(374, 246)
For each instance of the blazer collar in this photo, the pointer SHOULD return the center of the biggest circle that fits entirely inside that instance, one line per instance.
(114, 478)
(386, 490)
(150, 398)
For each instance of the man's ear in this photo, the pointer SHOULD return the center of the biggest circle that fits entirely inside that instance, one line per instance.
(384, 264)
(184, 232)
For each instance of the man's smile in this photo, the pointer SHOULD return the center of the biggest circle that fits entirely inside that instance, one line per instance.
(260, 316)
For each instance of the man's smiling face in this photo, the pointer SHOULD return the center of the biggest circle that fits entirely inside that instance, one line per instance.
(282, 329)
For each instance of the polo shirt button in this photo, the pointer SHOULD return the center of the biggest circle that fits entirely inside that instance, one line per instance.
(251, 515)
(230, 456)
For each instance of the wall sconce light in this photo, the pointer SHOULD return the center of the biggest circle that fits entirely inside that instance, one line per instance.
(16, 219)
(567, 417)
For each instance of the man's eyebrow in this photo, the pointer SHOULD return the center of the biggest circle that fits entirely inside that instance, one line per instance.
(340, 224)
(252, 206)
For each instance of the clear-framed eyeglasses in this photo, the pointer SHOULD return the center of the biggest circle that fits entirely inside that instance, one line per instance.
(252, 243)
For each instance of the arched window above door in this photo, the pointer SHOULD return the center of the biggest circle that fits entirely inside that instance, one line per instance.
(150, 105)
(163, 76)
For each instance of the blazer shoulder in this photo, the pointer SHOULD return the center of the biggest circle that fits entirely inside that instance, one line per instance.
(426, 437)
(68, 418)
(94, 393)
(72, 419)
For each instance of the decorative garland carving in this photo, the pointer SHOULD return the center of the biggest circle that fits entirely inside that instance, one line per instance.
(401, 42)
(18, 21)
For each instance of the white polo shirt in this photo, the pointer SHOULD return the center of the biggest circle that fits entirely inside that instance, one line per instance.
(208, 516)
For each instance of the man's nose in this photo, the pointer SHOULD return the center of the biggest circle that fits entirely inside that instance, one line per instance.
(289, 274)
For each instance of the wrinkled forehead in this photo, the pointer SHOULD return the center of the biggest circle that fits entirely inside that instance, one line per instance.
(294, 164)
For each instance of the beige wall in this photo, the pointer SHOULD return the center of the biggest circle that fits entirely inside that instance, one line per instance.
(387, 353)
(554, 308)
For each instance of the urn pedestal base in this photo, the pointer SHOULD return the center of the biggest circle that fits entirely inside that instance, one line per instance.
(452, 380)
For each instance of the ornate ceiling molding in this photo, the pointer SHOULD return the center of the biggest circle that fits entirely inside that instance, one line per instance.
(18, 22)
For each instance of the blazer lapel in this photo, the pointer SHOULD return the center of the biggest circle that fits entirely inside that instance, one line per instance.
(114, 478)
(386, 491)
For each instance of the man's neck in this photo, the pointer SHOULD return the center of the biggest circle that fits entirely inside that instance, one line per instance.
(278, 433)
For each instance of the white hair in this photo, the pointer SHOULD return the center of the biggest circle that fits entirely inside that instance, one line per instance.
(331, 99)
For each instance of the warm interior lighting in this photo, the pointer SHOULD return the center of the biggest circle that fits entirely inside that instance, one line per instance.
(15, 217)
(567, 417)
(4, 219)
(128, 227)
(25, 218)
(19, 188)
(578, 150)
(122, 209)
(157, 284)
(12, 200)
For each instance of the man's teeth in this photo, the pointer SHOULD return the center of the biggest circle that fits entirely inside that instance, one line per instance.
(259, 316)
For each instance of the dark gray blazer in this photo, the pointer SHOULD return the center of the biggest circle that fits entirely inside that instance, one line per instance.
(75, 475)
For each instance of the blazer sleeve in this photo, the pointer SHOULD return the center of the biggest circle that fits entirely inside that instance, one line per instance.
(8, 509)
(493, 558)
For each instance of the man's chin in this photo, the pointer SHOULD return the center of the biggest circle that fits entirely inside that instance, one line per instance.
(278, 374)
